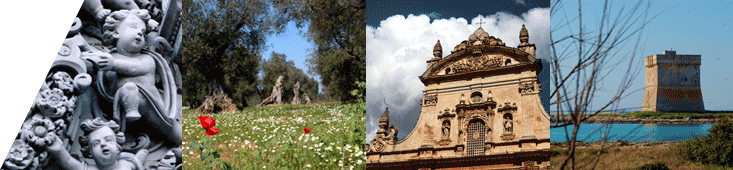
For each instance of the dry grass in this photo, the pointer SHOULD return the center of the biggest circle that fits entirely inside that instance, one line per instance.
(626, 158)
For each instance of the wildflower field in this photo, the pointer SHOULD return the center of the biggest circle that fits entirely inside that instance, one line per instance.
(274, 137)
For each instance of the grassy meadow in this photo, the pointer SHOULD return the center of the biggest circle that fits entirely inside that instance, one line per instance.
(273, 137)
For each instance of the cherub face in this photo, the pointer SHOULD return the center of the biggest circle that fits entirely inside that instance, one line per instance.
(131, 33)
(104, 145)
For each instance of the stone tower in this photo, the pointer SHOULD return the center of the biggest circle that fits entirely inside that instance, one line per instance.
(673, 83)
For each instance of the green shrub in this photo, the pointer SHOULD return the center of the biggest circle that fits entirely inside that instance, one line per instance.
(716, 148)
(557, 152)
(654, 166)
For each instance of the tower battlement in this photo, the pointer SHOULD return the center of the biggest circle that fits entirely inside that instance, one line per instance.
(673, 83)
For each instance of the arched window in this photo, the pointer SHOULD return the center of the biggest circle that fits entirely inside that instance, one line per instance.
(447, 71)
(508, 62)
(476, 134)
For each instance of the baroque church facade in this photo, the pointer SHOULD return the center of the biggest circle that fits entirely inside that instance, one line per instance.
(481, 110)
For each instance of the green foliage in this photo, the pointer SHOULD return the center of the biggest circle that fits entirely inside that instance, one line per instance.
(654, 166)
(222, 42)
(336, 28)
(278, 65)
(359, 93)
(716, 148)
(272, 137)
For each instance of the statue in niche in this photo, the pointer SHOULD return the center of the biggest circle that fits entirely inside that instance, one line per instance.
(508, 124)
(446, 129)
(101, 142)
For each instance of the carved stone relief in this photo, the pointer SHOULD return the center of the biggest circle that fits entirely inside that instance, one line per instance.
(508, 123)
(391, 137)
(430, 100)
(507, 110)
(480, 62)
(385, 136)
(526, 88)
(115, 75)
(476, 97)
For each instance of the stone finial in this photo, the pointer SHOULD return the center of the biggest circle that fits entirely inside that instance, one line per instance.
(384, 121)
(524, 35)
(438, 50)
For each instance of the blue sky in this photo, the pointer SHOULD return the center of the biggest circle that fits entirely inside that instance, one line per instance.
(293, 44)
(400, 37)
(689, 27)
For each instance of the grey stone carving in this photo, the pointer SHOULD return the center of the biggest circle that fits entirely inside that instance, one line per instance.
(111, 94)
(101, 142)
(296, 89)
(276, 96)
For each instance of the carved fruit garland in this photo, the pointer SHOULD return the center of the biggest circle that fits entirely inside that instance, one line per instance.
(21, 156)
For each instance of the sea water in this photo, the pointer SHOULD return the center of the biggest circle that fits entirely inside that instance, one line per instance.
(630, 132)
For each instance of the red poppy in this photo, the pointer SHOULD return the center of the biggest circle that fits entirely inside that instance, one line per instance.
(306, 130)
(208, 123)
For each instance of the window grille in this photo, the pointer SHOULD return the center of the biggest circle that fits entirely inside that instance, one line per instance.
(476, 136)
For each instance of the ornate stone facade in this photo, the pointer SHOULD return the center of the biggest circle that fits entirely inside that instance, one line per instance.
(489, 115)
(112, 95)
(673, 83)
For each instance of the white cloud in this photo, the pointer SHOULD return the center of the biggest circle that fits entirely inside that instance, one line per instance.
(397, 51)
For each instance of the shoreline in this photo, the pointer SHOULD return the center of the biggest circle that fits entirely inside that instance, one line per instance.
(636, 120)
(613, 144)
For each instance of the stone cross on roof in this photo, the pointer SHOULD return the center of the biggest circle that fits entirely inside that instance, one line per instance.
(480, 21)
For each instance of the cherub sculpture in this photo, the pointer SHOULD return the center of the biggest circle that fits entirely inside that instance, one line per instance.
(95, 7)
(101, 142)
(137, 70)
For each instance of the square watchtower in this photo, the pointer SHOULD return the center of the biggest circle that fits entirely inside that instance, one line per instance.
(673, 83)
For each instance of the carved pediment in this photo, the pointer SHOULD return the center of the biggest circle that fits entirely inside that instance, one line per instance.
(475, 63)
(478, 58)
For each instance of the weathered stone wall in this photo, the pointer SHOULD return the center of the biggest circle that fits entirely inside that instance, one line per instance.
(673, 83)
